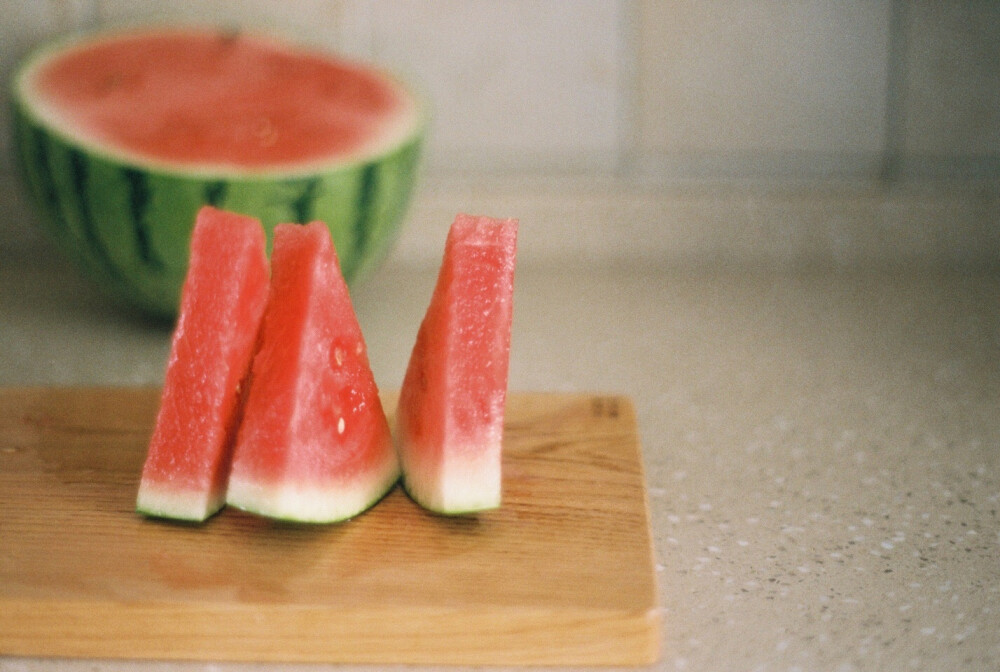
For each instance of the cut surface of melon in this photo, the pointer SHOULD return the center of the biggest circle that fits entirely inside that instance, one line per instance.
(449, 419)
(203, 99)
(212, 345)
(314, 445)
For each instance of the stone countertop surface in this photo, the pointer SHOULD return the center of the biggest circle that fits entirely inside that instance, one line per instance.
(822, 450)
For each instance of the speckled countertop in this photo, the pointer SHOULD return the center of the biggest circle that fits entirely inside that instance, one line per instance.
(822, 450)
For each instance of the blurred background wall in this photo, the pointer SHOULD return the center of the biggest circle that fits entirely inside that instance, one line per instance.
(801, 130)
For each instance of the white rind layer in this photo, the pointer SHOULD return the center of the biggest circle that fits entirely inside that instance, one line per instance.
(194, 505)
(466, 481)
(312, 504)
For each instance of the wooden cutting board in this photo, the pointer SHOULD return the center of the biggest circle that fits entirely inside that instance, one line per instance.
(562, 573)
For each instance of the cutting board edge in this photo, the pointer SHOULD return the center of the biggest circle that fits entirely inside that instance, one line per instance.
(173, 631)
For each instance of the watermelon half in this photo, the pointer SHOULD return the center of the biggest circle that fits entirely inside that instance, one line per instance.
(122, 137)
(222, 305)
(449, 421)
(314, 444)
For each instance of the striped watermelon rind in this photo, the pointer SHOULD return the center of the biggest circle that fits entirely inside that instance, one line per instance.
(127, 223)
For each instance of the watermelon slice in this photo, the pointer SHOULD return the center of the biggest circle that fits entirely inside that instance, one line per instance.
(222, 304)
(449, 423)
(122, 136)
(315, 444)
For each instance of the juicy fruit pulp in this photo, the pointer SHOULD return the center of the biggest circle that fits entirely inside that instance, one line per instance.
(449, 422)
(314, 445)
(224, 295)
(202, 98)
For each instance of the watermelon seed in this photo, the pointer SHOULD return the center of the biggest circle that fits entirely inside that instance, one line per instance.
(338, 356)
(340, 426)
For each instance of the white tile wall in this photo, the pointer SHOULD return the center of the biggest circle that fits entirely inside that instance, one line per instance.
(514, 84)
(951, 87)
(22, 25)
(732, 87)
(335, 24)
(702, 89)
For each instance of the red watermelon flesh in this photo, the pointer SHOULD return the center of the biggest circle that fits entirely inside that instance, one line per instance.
(202, 98)
(449, 421)
(314, 445)
(222, 302)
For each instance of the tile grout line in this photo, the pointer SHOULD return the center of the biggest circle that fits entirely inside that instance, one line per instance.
(628, 90)
(895, 122)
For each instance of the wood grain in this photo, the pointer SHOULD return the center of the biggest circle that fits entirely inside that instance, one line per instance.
(561, 574)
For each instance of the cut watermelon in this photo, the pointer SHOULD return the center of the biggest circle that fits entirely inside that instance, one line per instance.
(315, 444)
(123, 136)
(449, 423)
(222, 303)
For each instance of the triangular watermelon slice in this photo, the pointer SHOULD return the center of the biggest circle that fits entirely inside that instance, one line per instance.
(223, 300)
(315, 444)
(449, 422)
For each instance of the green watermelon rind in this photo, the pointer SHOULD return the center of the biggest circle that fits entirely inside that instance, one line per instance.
(100, 207)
